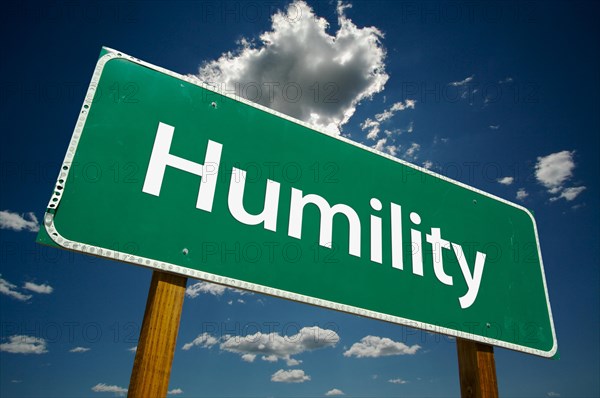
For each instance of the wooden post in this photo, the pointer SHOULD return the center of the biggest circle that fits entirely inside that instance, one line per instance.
(156, 346)
(476, 369)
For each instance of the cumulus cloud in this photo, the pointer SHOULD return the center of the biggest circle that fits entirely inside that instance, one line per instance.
(554, 170)
(397, 381)
(290, 376)
(101, 387)
(411, 152)
(428, 164)
(79, 349)
(334, 393)
(569, 193)
(301, 70)
(522, 194)
(17, 222)
(506, 180)
(10, 290)
(175, 391)
(132, 349)
(494, 126)
(40, 289)
(21, 344)
(204, 340)
(374, 347)
(270, 347)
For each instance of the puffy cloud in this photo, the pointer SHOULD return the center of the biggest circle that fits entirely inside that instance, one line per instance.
(101, 387)
(460, 83)
(132, 349)
(372, 126)
(204, 340)
(522, 194)
(334, 393)
(21, 344)
(411, 152)
(428, 164)
(17, 222)
(494, 126)
(569, 193)
(397, 381)
(79, 349)
(553, 394)
(270, 347)
(41, 289)
(374, 347)
(9, 290)
(554, 170)
(506, 180)
(175, 391)
(273, 347)
(290, 376)
(301, 70)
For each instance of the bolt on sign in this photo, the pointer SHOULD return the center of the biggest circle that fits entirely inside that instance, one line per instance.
(165, 172)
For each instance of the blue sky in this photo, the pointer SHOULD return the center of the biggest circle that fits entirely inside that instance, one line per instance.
(502, 96)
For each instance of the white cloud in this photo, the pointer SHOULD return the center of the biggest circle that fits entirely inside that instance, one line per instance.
(204, 340)
(553, 394)
(391, 111)
(508, 79)
(554, 170)
(506, 180)
(9, 290)
(175, 391)
(132, 349)
(494, 126)
(41, 289)
(428, 164)
(271, 347)
(196, 289)
(16, 222)
(79, 349)
(397, 381)
(21, 344)
(372, 126)
(522, 194)
(334, 393)
(411, 152)
(380, 146)
(462, 82)
(101, 387)
(374, 347)
(199, 288)
(290, 376)
(299, 69)
(569, 193)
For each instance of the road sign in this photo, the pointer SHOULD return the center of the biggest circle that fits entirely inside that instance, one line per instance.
(164, 172)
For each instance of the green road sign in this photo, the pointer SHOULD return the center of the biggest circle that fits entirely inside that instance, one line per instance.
(164, 172)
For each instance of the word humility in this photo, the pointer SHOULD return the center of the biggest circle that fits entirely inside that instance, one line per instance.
(161, 158)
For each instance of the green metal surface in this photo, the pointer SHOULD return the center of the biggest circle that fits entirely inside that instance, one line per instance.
(103, 204)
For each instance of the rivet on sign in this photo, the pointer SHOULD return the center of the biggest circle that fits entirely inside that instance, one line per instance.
(213, 104)
(474, 201)
(185, 251)
(488, 325)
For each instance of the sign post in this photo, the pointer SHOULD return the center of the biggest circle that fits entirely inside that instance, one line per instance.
(156, 345)
(476, 369)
